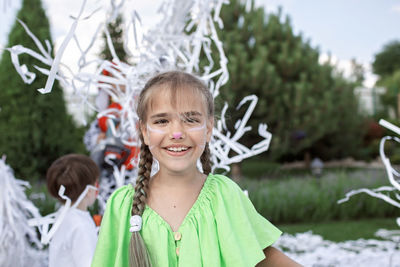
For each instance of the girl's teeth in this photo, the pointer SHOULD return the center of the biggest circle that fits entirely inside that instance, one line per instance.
(177, 149)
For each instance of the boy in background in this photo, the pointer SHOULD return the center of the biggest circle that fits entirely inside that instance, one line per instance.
(74, 242)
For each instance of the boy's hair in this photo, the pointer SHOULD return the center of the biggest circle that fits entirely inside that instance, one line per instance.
(177, 83)
(74, 172)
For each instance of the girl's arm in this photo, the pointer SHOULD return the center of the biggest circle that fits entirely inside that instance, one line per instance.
(275, 258)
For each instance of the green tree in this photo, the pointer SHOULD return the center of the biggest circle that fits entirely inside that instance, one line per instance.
(304, 103)
(35, 129)
(357, 72)
(115, 28)
(387, 61)
(387, 66)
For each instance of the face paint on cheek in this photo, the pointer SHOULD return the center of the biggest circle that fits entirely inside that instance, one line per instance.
(202, 145)
(199, 128)
(153, 131)
(149, 129)
(203, 140)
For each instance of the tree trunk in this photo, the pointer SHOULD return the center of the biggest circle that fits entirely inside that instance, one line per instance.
(398, 106)
(307, 160)
(236, 172)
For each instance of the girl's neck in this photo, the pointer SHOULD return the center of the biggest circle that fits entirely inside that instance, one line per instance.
(171, 179)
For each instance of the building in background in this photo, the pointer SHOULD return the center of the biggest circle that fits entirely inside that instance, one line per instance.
(369, 99)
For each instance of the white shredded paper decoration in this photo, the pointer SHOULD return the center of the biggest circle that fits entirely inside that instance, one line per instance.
(312, 250)
(383, 192)
(19, 245)
(186, 30)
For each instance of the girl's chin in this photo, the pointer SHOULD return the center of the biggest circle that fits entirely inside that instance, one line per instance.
(177, 168)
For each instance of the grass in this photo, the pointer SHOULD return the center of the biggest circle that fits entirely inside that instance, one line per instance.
(339, 231)
(307, 199)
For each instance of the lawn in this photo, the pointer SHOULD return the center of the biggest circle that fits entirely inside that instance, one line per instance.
(339, 231)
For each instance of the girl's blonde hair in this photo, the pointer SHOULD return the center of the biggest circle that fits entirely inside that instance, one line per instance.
(177, 83)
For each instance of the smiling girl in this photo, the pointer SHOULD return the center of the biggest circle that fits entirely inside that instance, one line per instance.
(182, 216)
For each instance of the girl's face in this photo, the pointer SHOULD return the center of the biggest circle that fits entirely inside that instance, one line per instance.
(176, 134)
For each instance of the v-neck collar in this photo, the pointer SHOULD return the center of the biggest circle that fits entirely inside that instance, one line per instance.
(189, 213)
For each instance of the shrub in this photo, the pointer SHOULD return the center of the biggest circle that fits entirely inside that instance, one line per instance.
(310, 199)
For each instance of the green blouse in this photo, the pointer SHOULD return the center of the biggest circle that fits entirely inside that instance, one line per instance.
(221, 229)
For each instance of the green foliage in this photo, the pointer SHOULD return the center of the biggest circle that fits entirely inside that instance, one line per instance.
(308, 199)
(306, 105)
(357, 72)
(34, 128)
(115, 28)
(41, 198)
(339, 231)
(392, 84)
(387, 66)
(387, 61)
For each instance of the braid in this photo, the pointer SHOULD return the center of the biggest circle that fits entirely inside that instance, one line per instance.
(142, 183)
(138, 255)
(205, 160)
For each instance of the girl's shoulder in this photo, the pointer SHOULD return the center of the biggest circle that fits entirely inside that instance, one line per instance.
(222, 191)
(122, 196)
(224, 185)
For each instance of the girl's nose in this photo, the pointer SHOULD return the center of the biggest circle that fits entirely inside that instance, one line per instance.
(177, 130)
(177, 135)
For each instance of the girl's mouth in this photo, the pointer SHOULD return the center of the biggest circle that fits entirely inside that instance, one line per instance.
(177, 150)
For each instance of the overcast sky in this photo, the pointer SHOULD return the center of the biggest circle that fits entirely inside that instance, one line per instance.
(344, 28)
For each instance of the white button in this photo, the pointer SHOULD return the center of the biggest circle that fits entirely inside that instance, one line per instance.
(177, 236)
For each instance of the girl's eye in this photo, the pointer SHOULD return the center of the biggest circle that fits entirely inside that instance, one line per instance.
(192, 120)
(161, 121)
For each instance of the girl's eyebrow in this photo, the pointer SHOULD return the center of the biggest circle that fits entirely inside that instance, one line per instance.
(192, 113)
(188, 113)
(159, 115)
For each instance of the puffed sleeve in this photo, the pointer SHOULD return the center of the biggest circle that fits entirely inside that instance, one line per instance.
(243, 232)
(112, 247)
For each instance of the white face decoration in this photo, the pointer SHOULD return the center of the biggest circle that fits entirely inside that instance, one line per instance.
(189, 125)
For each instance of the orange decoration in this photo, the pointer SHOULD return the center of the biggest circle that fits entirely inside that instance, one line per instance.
(97, 219)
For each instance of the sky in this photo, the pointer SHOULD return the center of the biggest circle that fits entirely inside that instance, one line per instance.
(345, 29)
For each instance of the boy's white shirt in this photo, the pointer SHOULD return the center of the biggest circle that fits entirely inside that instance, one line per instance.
(56, 218)
(74, 242)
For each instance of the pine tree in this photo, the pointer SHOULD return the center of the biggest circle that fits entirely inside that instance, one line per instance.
(35, 129)
(115, 28)
(303, 102)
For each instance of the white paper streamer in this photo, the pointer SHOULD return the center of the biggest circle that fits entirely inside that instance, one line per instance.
(56, 218)
(19, 245)
(312, 250)
(393, 176)
(186, 30)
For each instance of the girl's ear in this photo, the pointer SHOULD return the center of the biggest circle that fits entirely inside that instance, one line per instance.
(210, 126)
(143, 129)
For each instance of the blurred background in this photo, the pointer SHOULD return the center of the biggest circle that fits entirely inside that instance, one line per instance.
(324, 73)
